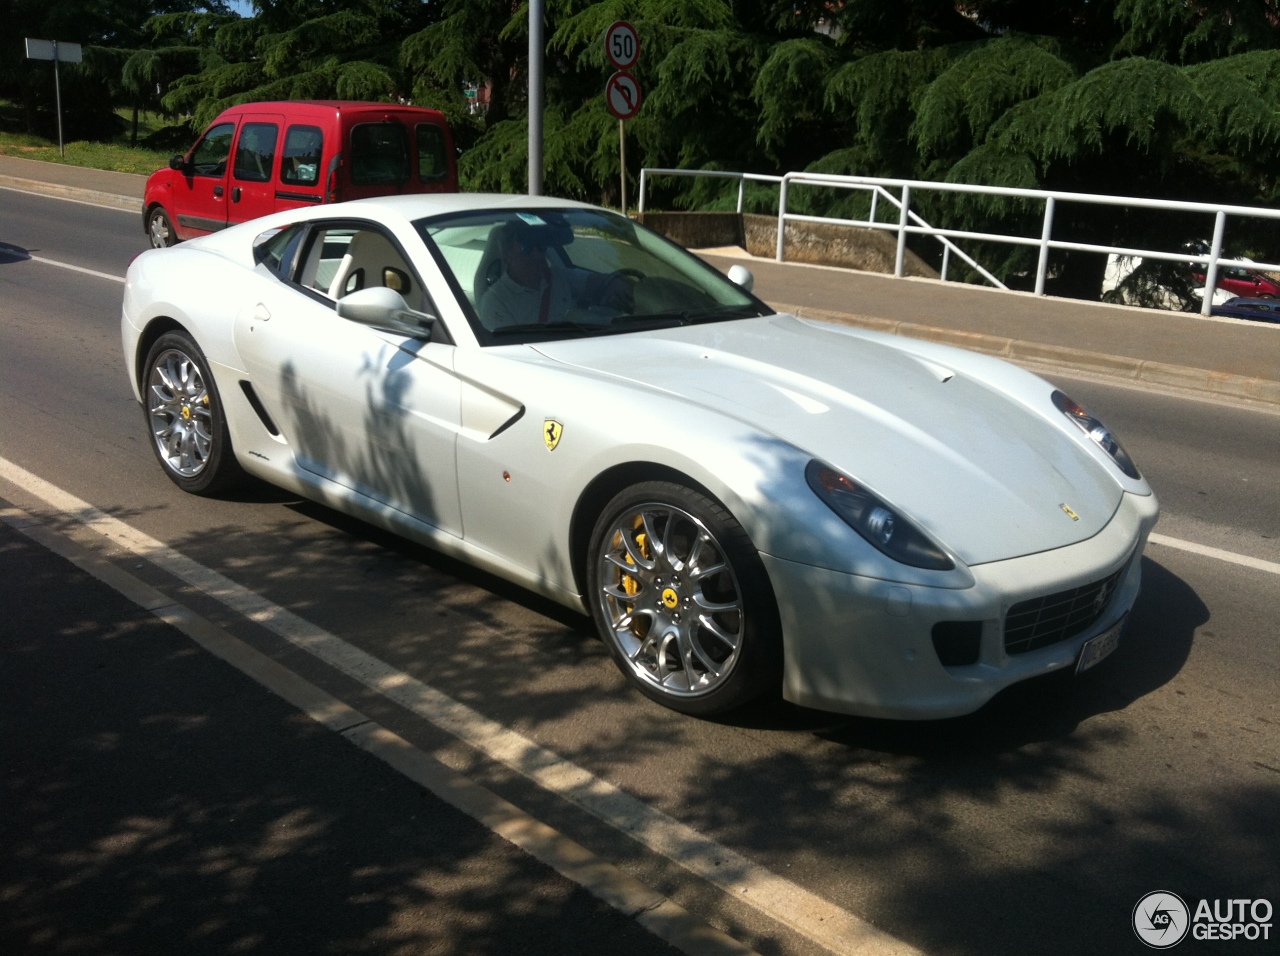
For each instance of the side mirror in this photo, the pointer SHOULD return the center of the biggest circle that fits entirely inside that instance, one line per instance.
(385, 310)
(176, 162)
(741, 275)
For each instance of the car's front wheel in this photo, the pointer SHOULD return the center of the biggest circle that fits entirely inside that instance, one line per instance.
(160, 229)
(682, 600)
(184, 416)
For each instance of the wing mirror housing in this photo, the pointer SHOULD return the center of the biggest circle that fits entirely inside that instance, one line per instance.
(385, 310)
(178, 162)
(741, 275)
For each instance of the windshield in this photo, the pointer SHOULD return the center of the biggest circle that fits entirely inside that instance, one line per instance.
(541, 274)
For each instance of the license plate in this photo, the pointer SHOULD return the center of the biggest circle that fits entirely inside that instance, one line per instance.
(1096, 648)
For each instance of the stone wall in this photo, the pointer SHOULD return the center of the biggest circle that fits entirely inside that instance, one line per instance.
(827, 244)
(697, 230)
(830, 244)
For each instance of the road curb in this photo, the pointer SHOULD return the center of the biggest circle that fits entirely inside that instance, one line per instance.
(91, 196)
(1181, 377)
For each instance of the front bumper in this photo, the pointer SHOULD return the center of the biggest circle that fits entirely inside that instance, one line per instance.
(864, 646)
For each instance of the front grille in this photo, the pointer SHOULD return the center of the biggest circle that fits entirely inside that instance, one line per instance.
(1046, 620)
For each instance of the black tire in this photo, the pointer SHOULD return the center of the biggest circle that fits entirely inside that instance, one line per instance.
(160, 228)
(700, 593)
(184, 417)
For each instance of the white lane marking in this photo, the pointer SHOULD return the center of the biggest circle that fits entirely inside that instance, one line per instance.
(132, 211)
(1258, 564)
(808, 914)
(67, 265)
(648, 907)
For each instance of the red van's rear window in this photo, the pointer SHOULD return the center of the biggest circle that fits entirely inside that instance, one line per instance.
(379, 154)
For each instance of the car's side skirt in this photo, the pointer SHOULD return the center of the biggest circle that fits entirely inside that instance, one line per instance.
(333, 495)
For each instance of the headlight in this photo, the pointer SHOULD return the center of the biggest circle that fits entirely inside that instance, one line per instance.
(1097, 431)
(866, 514)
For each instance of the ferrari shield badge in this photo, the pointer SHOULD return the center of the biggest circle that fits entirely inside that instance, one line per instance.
(1070, 514)
(551, 432)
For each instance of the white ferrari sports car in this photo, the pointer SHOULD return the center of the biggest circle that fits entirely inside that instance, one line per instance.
(743, 501)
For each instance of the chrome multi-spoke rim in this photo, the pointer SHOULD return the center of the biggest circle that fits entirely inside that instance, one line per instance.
(179, 412)
(159, 232)
(671, 600)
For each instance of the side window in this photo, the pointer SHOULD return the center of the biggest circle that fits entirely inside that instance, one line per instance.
(210, 156)
(303, 149)
(278, 250)
(379, 154)
(256, 152)
(433, 166)
(340, 260)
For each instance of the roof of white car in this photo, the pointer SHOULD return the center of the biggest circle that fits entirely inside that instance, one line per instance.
(234, 242)
(420, 205)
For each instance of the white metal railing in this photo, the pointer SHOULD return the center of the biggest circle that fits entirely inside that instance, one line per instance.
(705, 174)
(910, 224)
(876, 192)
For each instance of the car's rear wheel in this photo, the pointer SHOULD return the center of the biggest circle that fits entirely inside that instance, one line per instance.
(160, 229)
(184, 416)
(682, 600)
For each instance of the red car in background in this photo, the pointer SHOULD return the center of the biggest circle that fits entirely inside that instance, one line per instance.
(260, 158)
(1242, 281)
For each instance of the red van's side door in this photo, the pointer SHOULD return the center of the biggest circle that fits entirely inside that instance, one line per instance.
(199, 195)
(303, 166)
(253, 171)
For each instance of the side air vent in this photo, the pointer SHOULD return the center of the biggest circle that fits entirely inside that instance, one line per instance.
(256, 403)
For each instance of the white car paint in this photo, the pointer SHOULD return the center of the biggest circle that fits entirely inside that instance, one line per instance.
(443, 442)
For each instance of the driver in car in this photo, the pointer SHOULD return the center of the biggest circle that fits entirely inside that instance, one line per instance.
(537, 288)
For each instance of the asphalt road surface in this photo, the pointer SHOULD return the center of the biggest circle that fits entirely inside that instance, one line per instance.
(1033, 826)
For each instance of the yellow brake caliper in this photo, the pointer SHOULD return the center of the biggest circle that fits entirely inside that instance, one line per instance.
(629, 584)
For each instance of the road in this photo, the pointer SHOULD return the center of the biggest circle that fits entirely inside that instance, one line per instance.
(1033, 826)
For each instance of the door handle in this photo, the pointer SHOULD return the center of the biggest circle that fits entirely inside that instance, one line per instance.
(235, 193)
(217, 192)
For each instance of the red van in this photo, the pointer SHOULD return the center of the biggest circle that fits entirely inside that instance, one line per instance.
(259, 158)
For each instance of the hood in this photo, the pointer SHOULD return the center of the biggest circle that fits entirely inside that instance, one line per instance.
(981, 472)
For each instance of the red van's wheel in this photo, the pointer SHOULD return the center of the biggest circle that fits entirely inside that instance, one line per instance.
(160, 229)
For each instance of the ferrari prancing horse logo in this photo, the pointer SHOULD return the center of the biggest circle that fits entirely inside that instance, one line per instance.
(551, 432)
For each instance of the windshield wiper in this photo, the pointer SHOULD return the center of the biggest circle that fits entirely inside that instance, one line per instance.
(715, 313)
(651, 319)
(527, 327)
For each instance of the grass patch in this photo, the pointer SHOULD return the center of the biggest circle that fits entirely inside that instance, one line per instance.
(121, 159)
(157, 142)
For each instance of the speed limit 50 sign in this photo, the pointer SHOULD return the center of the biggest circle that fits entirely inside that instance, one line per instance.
(622, 44)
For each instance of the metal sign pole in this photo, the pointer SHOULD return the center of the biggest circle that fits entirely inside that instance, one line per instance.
(537, 47)
(622, 93)
(622, 163)
(51, 50)
(57, 97)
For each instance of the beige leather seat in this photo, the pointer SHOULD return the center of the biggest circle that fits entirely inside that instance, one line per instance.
(371, 260)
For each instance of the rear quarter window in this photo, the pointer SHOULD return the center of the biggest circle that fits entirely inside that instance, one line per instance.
(379, 154)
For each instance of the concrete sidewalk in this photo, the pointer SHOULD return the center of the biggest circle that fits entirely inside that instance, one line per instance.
(1229, 358)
